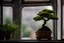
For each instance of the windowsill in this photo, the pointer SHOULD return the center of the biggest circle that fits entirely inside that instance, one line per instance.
(31, 40)
(27, 38)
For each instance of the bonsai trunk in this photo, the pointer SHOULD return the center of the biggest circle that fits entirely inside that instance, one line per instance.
(44, 28)
(44, 32)
(44, 22)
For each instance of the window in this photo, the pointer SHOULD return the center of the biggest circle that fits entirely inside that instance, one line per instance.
(7, 14)
(29, 26)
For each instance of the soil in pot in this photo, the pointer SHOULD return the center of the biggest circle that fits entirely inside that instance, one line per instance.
(45, 28)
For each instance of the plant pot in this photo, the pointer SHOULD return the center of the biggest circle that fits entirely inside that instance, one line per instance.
(43, 35)
(1, 35)
(7, 36)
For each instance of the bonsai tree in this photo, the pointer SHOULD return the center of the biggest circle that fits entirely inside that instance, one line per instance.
(45, 15)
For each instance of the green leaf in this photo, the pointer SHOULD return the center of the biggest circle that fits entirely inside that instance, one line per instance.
(8, 28)
(44, 14)
(48, 10)
(53, 17)
(37, 18)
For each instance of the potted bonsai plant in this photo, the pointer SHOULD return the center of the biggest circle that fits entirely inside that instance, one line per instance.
(6, 30)
(44, 31)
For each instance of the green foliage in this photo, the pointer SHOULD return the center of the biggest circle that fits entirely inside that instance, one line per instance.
(8, 28)
(37, 18)
(26, 30)
(1, 28)
(47, 10)
(46, 15)
(8, 20)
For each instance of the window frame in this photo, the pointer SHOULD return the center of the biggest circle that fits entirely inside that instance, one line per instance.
(32, 2)
(62, 19)
(12, 11)
(23, 4)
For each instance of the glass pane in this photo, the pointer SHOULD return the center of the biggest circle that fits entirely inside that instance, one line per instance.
(59, 20)
(7, 14)
(35, 0)
(29, 26)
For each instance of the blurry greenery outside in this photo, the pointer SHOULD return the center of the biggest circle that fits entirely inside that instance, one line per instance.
(26, 30)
